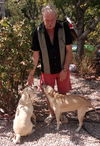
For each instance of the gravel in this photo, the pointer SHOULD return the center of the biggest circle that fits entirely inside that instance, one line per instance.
(48, 135)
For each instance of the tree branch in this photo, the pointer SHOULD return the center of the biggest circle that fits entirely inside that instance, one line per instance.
(90, 28)
(83, 4)
(62, 10)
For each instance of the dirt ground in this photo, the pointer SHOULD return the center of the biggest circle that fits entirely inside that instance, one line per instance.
(45, 135)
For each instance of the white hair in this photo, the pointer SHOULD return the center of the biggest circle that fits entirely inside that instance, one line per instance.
(49, 9)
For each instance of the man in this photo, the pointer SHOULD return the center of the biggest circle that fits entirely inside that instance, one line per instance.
(52, 43)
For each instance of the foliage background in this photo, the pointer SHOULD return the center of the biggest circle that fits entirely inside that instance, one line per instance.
(15, 40)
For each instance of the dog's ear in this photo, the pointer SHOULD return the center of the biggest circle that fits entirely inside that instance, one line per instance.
(43, 85)
(50, 91)
(20, 92)
(17, 112)
(35, 88)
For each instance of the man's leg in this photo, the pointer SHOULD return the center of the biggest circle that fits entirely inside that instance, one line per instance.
(65, 85)
(48, 79)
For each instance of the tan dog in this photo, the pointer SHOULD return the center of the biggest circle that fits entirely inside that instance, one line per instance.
(64, 103)
(22, 124)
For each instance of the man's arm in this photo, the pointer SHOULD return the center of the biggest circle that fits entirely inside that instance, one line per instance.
(35, 59)
(68, 58)
(35, 63)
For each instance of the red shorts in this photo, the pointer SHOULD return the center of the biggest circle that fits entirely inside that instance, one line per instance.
(50, 79)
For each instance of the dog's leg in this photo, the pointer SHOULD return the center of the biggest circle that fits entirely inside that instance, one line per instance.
(81, 114)
(16, 139)
(58, 114)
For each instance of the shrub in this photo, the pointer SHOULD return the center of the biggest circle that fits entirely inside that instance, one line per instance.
(85, 66)
(15, 60)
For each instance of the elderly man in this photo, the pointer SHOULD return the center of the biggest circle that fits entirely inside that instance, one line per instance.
(52, 43)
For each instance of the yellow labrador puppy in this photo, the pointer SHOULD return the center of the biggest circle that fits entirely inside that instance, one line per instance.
(63, 103)
(22, 124)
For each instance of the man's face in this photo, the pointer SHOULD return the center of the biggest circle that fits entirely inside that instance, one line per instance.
(49, 20)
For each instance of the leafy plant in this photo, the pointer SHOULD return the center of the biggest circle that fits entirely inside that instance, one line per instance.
(86, 66)
(15, 59)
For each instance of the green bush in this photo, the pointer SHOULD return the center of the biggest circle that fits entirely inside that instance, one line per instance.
(15, 60)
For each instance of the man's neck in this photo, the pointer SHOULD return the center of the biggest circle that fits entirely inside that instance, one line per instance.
(51, 34)
(50, 31)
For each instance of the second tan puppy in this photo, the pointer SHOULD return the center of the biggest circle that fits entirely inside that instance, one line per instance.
(63, 103)
(22, 124)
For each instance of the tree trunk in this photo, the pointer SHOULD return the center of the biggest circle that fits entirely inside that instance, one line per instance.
(80, 48)
(80, 30)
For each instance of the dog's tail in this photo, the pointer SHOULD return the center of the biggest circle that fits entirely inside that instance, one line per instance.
(92, 108)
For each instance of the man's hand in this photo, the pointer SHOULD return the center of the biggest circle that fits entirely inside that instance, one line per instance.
(30, 80)
(63, 75)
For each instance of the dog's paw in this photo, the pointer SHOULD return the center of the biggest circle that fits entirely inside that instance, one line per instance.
(15, 141)
(78, 129)
(49, 119)
(57, 128)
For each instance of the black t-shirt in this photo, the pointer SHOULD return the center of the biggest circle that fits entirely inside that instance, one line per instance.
(52, 48)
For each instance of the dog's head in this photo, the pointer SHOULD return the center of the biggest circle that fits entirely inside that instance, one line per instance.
(27, 95)
(48, 90)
